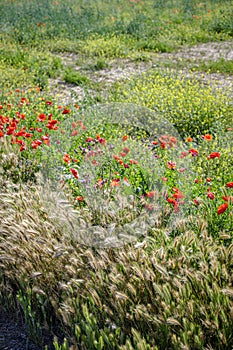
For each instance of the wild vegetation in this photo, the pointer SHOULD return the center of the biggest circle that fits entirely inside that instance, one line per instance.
(116, 205)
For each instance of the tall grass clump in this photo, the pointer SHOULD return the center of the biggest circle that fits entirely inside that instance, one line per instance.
(86, 295)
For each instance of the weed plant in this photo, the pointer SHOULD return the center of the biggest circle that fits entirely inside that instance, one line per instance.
(190, 105)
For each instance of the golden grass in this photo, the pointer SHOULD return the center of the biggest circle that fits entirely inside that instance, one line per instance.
(164, 291)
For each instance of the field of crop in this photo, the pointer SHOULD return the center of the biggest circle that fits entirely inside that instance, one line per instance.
(116, 153)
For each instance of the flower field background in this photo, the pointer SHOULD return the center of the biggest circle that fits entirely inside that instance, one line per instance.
(116, 155)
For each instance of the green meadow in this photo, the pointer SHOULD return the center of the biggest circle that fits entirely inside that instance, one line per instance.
(116, 153)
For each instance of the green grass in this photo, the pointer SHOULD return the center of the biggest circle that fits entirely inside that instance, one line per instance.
(27, 67)
(71, 76)
(98, 65)
(113, 174)
(221, 66)
(148, 21)
(32, 31)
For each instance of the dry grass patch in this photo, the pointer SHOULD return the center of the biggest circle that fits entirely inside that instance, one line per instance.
(163, 293)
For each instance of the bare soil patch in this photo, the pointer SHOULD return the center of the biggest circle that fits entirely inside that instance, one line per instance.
(13, 333)
(207, 51)
(211, 51)
(123, 69)
(117, 70)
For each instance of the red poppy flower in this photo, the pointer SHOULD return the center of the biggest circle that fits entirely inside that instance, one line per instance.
(36, 143)
(229, 185)
(20, 116)
(208, 137)
(171, 165)
(53, 121)
(123, 154)
(175, 204)
(211, 195)
(41, 117)
(223, 207)
(126, 150)
(83, 127)
(74, 172)
(89, 139)
(227, 198)
(173, 139)
(51, 125)
(194, 152)
(149, 206)
(45, 139)
(214, 155)
(178, 195)
(1, 134)
(10, 130)
(163, 138)
(115, 183)
(183, 154)
(189, 139)
(24, 100)
(132, 161)
(66, 111)
(67, 158)
(21, 132)
(124, 137)
(28, 135)
(196, 202)
(74, 133)
(101, 139)
(150, 194)
(22, 147)
(4, 120)
(116, 157)
(79, 198)
(20, 142)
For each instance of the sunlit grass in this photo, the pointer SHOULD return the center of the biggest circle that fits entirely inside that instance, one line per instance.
(193, 107)
(169, 284)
